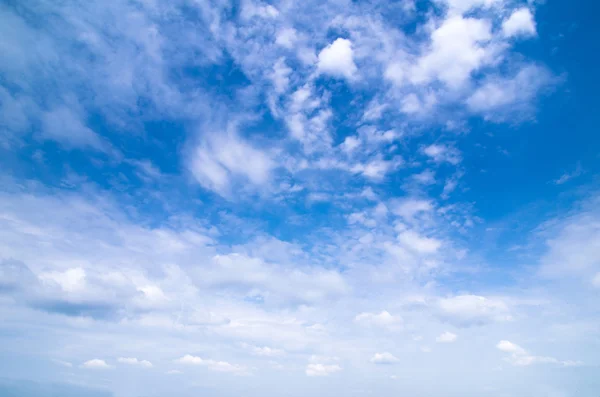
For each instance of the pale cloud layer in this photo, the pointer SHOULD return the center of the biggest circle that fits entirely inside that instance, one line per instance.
(292, 198)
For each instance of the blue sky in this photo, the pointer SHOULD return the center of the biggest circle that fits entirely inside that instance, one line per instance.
(215, 197)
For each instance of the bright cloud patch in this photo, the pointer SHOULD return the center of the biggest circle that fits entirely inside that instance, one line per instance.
(322, 369)
(310, 198)
(383, 319)
(219, 366)
(520, 23)
(135, 361)
(473, 310)
(446, 337)
(337, 59)
(384, 358)
(519, 357)
(224, 159)
(95, 363)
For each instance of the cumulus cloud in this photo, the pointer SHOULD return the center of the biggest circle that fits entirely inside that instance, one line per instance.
(423, 245)
(95, 364)
(519, 356)
(322, 369)
(442, 153)
(383, 319)
(501, 96)
(384, 358)
(223, 159)
(135, 361)
(135, 251)
(446, 337)
(219, 366)
(264, 351)
(459, 46)
(467, 5)
(465, 310)
(408, 208)
(520, 23)
(337, 59)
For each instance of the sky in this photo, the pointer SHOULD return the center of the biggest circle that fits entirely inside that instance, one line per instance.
(299, 198)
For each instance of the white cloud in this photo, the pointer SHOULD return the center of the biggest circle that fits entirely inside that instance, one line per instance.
(520, 358)
(369, 194)
(413, 104)
(467, 5)
(520, 23)
(509, 347)
(383, 319)
(247, 274)
(413, 241)
(426, 177)
(408, 208)
(223, 159)
(499, 96)
(96, 364)
(219, 366)
(446, 337)
(573, 246)
(384, 358)
(337, 59)
(66, 127)
(322, 369)
(458, 48)
(376, 169)
(264, 351)
(442, 153)
(257, 9)
(71, 280)
(467, 310)
(135, 361)
(280, 75)
(286, 37)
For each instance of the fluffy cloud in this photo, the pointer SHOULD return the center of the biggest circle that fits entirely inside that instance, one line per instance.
(499, 96)
(446, 337)
(337, 59)
(322, 369)
(223, 159)
(383, 319)
(409, 208)
(135, 361)
(264, 351)
(459, 46)
(219, 366)
(384, 358)
(572, 246)
(321, 205)
(467, 5)
(520, 23)
(519, 356)
(423, 245)
(442, 153)
(95, 364)
(465, 310)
